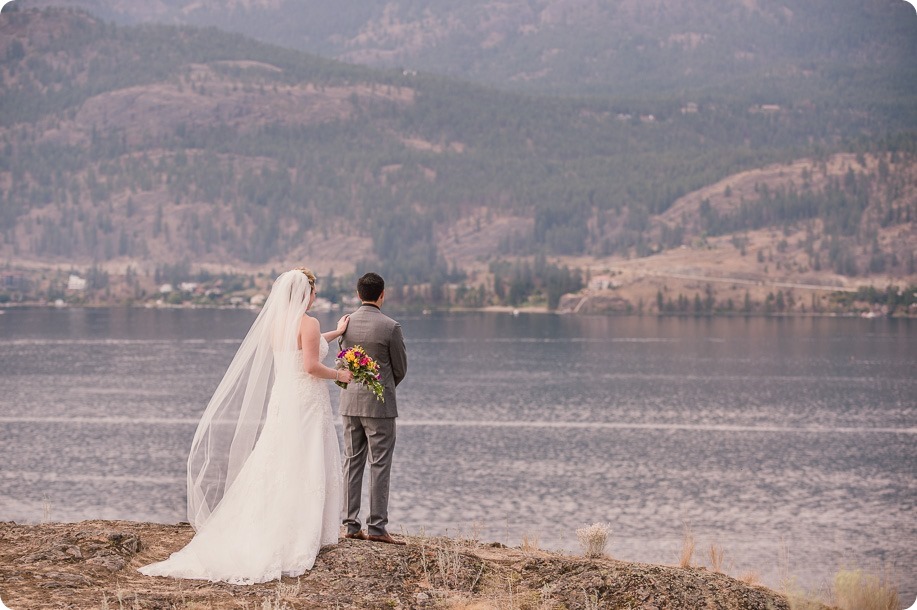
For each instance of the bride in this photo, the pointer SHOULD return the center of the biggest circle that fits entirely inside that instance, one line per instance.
(264, 474)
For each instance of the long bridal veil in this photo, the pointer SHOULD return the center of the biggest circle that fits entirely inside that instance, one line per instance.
(230, 425)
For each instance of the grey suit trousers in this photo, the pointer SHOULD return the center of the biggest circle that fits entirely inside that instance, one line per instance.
(372, 439)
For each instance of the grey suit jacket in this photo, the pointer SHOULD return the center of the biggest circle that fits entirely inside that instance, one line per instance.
(381, 337)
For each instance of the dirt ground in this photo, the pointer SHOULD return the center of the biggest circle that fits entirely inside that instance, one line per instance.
(93, 565)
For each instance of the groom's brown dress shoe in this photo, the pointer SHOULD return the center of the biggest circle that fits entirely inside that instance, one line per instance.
(356, 535)
(384, 538)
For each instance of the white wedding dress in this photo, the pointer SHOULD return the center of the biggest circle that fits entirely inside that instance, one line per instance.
(285, 503)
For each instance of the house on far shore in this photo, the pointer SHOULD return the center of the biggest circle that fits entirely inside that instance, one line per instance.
(76, 283)
(602, 282)
(765, 109)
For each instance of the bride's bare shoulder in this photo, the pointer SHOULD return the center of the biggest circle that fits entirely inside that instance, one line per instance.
(308, 322)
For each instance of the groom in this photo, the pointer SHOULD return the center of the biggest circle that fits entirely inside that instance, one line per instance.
(369, 425)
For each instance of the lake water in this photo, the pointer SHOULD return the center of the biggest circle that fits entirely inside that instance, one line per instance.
(790, 443)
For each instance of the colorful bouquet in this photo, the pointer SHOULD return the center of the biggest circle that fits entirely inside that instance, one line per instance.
(365, 370)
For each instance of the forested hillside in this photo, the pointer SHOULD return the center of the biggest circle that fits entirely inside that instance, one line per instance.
(768, 51)
(154, 145)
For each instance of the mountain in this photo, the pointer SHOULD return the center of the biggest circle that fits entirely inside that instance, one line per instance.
(772, 50)
(151, 145)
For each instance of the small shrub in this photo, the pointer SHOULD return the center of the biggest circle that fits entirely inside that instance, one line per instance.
(594, 538)
(799, 598)
(858, 590)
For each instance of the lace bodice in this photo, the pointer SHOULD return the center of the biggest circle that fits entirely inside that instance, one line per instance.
(322, 348)
(298, 357)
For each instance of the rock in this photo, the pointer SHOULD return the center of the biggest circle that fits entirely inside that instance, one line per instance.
(126, 542)
(74, 551)
(594, 302)
(53, 584)
(51, 553)
(58, 580)
(35, 558)
(112, 563)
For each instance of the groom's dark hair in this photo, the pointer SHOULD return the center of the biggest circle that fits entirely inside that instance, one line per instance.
(370, 287)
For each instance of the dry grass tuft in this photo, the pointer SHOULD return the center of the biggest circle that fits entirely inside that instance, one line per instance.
(502, 593)
(476, 532)
(593, 539)
(591, 601)
(530, 543)
(463, 604)
(751, 578)
(717, 558)
(107, 604)
(447, 571)
(797, 597)
(449, 562)
(858, 590)
(546, 594)
(284, 590)
(686, 559)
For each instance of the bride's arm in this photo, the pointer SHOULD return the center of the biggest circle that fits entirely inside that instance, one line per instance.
(331, 335)
(308, 332)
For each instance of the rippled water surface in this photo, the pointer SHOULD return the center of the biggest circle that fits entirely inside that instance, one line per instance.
(790, 443)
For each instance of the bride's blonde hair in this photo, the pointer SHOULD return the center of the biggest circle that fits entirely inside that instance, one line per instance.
(308, 273)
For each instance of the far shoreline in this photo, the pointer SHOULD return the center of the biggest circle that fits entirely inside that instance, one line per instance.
(495, 309)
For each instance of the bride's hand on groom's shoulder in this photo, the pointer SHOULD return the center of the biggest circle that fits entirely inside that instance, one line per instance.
(342, 323)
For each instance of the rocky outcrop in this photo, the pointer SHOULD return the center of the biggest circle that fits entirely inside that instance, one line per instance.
(93, 565)
(591, 302)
